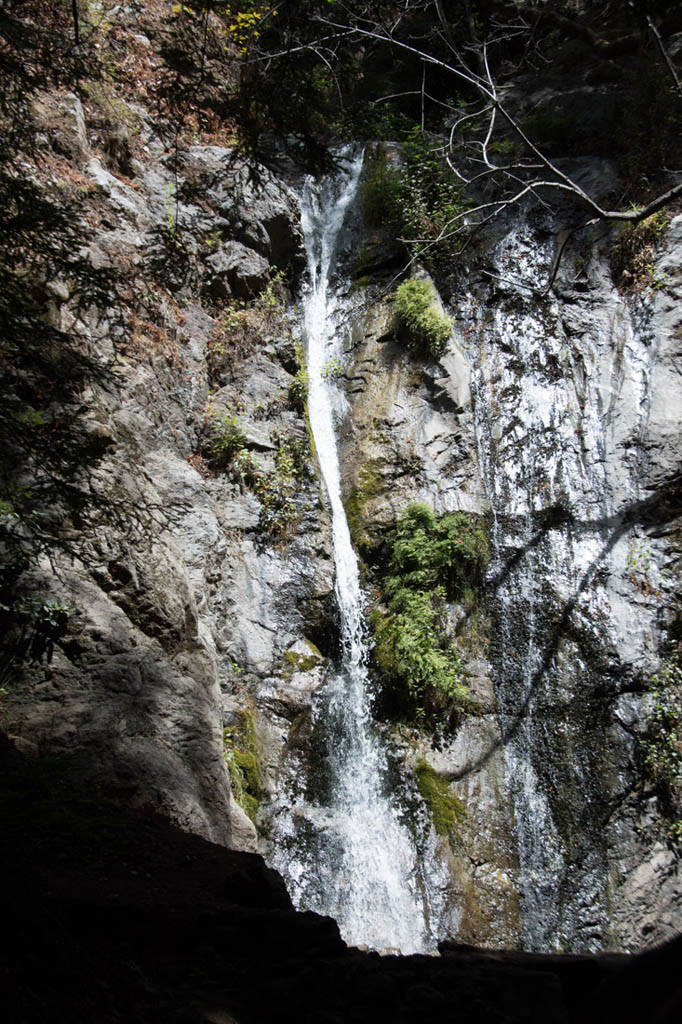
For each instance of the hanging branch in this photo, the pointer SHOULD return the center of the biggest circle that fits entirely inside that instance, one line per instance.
(665, 55)
(485, 85)
(469, 150)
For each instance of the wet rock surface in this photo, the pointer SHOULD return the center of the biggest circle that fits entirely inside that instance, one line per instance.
(564, 395)
(573, 396)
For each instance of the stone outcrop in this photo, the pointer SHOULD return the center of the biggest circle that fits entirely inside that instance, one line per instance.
(595, 445)
(112, 916)
(177, 601)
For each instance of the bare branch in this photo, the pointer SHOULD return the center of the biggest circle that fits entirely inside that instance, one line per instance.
(76, 28)
(665, 55)
(487, 88)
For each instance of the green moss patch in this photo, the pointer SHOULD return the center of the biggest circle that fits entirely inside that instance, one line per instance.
(368, 486)
(447, 810)
(295, 661)
(418, 321)
(241, 756)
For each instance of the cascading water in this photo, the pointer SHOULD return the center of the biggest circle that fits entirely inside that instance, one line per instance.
(349, 856)
(542, 410)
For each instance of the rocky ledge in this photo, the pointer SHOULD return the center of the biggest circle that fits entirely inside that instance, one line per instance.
(113, 916)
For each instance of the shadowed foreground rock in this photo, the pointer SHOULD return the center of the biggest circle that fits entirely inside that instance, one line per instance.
(114, 917)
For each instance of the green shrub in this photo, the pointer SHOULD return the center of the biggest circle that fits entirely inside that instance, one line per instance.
(417, 660)
(226, 437)
(417, 319)
(408, 651)
(447, 810)
(430, 196)
(451, 551)
(277, 489)
(417, 201)
(298, 390)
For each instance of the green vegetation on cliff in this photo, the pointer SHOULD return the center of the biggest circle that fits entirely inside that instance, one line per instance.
(279, 486)
(430, 560)
(663, 744)
(413, 196)
(447, 810)
(418, 320)
(241, 757)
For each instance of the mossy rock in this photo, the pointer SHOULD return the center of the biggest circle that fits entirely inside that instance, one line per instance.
(447, 810)
(243, 763)
(369, 485)
(303, 656)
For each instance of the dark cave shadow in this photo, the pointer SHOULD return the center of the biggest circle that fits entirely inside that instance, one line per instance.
(662, 507)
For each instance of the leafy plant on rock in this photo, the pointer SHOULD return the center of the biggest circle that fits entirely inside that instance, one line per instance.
(415, 198)
(240, 749)
(418, 320)
(430, 196)
(298, 390)
(278, 489)
(419, 664)
(226, 437)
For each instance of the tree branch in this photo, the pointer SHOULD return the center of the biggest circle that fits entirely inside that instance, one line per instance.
(487, 88)
(665, 55)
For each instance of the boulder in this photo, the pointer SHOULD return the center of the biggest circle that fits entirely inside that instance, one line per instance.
(235, 270)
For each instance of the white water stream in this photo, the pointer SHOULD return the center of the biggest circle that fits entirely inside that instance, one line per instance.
(354, 859)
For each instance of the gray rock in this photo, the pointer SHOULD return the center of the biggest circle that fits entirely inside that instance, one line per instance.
(235, 270)
(124, 199)
(259, 211)
(61, 114)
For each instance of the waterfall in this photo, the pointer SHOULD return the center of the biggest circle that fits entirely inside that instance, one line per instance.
(547, 458)
(350, 855)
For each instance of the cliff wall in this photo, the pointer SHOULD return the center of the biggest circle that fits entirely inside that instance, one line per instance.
(185, 628)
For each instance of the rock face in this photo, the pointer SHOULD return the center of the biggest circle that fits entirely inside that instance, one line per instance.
(206, 593)
(181, 597)
(410, 436)
(575, 401)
